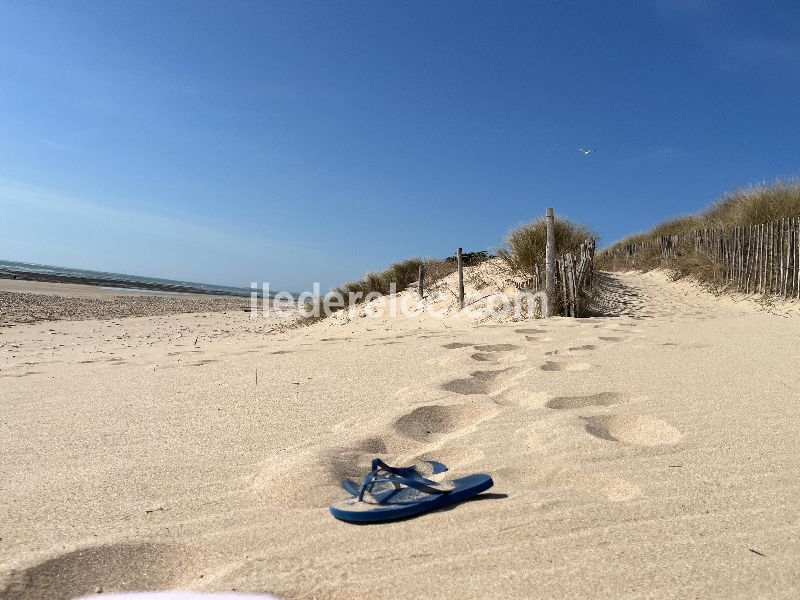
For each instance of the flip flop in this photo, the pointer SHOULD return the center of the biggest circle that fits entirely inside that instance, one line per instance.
(422, 469)
(408, 496)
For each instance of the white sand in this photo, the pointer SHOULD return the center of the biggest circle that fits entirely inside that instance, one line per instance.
(655, 454)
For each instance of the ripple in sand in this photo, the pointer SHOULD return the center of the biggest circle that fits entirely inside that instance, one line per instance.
(496, 347)
(572, 350)
(205, 361)
(556, 366)
(24, 374)
(452, 457)
(615, 489)
(638, 430)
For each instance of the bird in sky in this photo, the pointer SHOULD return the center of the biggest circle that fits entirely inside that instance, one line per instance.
(587, 151)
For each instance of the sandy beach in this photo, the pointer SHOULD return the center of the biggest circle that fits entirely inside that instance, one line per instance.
(37, 301)
(653, 452)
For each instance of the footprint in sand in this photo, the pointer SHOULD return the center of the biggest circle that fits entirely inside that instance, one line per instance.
(387, 442)
(601, 399)
(611, 338)
(638, 430)
(427, 422)
(456, 345)
(530, 331)
(324, 468)
(480, 357)
(556, 366)
(479, 382)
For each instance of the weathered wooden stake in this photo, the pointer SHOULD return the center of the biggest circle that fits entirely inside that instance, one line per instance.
(550, 258)
(460, 260)
(421, 279)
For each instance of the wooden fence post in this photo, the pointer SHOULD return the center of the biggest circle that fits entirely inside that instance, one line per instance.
(562, 275)
(797, 263)
(421, 279)
(550, 258)
(460, 261)
(572, 286)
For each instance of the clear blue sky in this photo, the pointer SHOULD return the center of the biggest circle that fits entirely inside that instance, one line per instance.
(226, 142)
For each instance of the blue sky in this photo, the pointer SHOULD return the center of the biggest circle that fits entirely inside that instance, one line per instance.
(293, 142)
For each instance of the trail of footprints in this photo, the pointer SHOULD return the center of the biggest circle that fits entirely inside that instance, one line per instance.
(631, 429)
(433, 431)
(425, 432)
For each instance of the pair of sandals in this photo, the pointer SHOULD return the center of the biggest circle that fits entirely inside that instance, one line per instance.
(387, 493)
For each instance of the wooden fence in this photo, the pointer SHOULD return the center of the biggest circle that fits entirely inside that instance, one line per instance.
(573, 276)
(761, 259)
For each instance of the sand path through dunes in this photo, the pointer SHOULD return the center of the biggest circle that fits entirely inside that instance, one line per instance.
(651, 454)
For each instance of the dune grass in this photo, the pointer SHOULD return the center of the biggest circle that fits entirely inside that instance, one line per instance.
(752, 205)
(755, 205)
(398, 277)
(524, 247)
(525, 244)
(401, 274)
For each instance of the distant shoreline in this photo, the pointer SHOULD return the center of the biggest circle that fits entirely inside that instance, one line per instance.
(24, 302)
(111, 282)
(83, 290)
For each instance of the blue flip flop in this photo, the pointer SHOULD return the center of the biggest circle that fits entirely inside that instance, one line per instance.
(405, 495)
(422, 469)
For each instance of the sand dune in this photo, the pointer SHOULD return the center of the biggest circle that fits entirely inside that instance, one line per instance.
(655, 453)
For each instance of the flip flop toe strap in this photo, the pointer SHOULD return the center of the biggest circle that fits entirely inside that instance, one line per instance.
(397, 476)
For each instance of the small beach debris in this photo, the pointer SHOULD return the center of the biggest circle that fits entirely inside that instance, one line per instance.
(754, 551)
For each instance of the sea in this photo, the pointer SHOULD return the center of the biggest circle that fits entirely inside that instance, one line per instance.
(10, 269)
